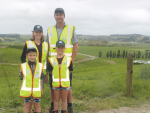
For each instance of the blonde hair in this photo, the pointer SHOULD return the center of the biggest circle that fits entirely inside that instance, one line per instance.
(33, 38)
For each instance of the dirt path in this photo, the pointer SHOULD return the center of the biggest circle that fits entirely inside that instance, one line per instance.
(3, 46)
(91, 58)
(141, 109)
(10, 63)
(109, 61)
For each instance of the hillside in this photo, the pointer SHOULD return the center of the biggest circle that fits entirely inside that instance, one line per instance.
(84, 40)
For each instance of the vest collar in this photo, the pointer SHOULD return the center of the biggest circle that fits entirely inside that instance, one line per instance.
(31, 63)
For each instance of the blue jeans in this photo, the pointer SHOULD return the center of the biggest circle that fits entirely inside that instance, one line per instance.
(59, 88)
(27, 100)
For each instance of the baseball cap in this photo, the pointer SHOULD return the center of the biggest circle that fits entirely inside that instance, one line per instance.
(33, 49)
(60, 43)
(37, 28)
(61, 10)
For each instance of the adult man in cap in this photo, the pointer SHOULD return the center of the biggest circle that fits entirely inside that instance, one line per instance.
(65, 32)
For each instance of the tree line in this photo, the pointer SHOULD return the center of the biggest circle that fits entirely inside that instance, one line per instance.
(123, 54)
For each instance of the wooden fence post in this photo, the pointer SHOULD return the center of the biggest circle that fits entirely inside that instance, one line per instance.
(129, 74)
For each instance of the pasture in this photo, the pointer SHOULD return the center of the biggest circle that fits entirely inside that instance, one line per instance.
(94, 50)
(97, 84)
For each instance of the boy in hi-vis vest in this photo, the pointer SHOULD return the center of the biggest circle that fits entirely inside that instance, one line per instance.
(31, 77)
(60, 66)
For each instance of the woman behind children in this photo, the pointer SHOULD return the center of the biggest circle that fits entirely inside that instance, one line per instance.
(60, 66)
(37, 41)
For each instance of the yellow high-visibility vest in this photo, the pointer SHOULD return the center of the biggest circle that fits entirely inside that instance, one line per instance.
(31, 84)
(44, 52)
(60, 75)
(66, 36)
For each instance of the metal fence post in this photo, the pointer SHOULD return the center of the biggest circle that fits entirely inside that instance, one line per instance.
(129, 74)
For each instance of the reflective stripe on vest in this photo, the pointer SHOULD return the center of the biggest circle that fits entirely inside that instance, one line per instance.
(44, 52)
(60, 76)
(66, 36)
(31, 85)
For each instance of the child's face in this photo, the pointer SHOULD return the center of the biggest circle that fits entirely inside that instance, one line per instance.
(31, 56)
(38, 34)
(60, 49)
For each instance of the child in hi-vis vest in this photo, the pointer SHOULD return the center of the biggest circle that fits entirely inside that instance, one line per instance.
(60, 66)
(31, 77)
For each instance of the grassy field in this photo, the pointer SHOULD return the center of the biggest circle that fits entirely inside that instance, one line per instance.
(94, 50)
(97, 84)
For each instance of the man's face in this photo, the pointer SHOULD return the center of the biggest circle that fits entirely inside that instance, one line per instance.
(31, 56)
(59, 17)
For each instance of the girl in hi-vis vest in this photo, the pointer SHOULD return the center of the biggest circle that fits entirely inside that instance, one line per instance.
(60, 66)
(37, 41)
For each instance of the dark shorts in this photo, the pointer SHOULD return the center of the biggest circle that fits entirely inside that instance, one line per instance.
(50, 80)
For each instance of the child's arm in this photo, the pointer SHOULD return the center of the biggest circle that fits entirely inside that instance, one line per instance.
(71, 67)
(41, 87)
(49, 67)
(20, 75)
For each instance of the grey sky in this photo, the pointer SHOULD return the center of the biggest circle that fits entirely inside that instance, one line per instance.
(90, 17)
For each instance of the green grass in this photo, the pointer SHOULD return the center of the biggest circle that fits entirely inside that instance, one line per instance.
(11, 54)
(97, 84)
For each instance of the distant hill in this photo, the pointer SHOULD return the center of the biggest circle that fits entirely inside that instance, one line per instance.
(116, 37)
(10, 35)
(84, 39)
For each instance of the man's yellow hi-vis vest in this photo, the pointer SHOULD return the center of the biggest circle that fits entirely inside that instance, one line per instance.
(31, 84)
(44, 52)
(66, 36)
(60, 75)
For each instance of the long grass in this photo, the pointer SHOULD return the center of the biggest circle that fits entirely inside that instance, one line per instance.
(97, 84)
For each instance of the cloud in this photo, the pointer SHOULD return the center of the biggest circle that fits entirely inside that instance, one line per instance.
(93, 17)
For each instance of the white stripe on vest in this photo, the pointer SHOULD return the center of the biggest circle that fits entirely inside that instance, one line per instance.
(46, 59)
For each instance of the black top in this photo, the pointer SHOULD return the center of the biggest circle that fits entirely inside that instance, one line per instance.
(50, 68)
(23, 56)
